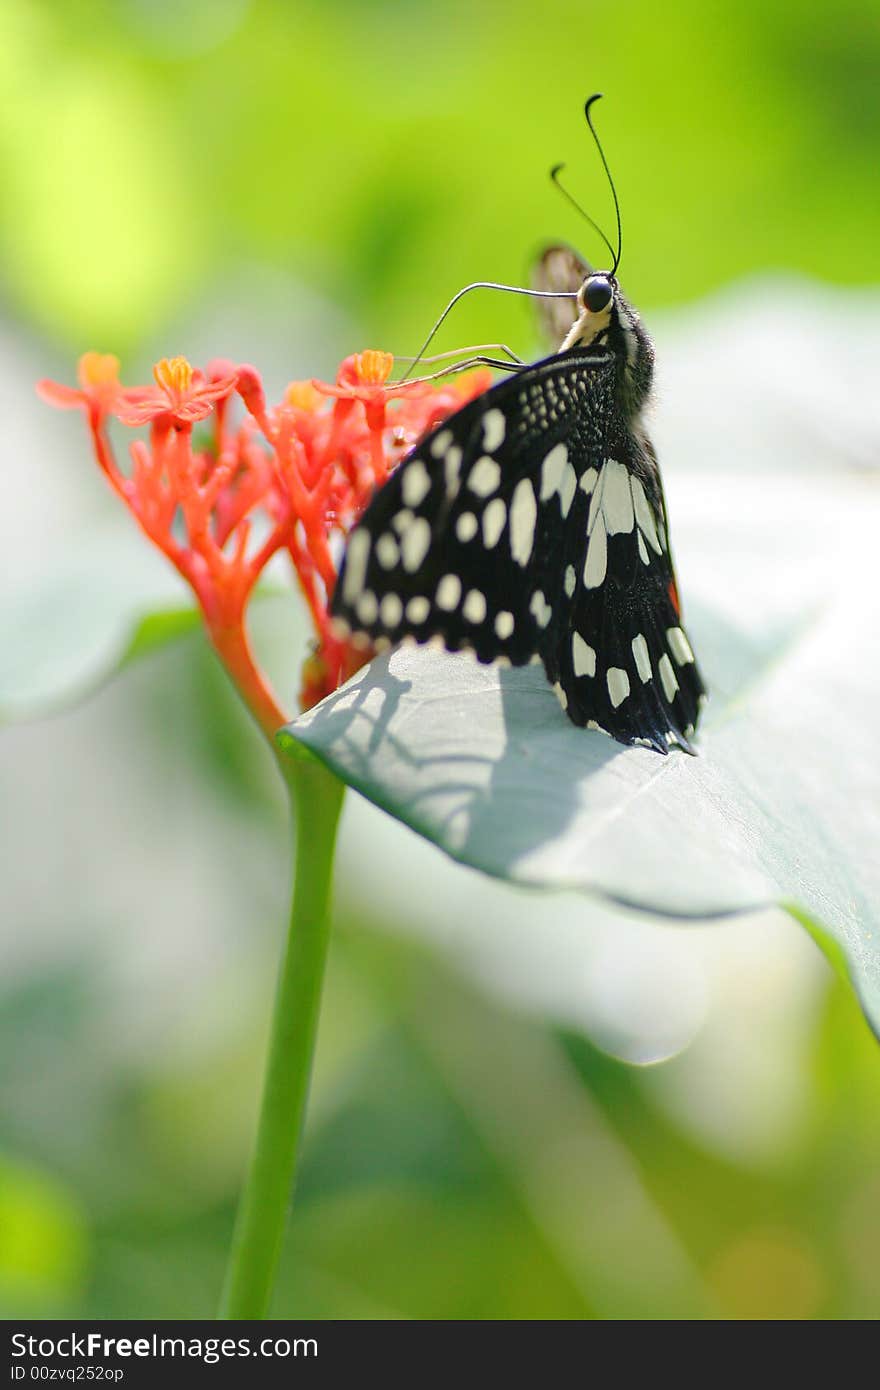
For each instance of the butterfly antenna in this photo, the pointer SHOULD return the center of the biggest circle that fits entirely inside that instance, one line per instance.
(481, 285)
(554, 175)
(595, 97)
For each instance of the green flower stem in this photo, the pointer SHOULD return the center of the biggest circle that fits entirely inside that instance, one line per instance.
(316, 801)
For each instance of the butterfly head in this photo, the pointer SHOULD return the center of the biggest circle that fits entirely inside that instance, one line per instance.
(607, 322)
(597, 293)
(596, 310)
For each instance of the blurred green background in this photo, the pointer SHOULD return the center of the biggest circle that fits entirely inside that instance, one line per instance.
(287, 183)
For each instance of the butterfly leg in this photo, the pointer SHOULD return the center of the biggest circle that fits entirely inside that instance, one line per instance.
(465, 366)
(474, 348)
(485, 285)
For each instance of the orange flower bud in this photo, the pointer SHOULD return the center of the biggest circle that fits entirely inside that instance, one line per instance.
(98, 369)
(303, 396)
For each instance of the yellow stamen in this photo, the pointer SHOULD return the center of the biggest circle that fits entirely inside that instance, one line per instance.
(98, 369)
(174, 375)
(373, 367)
(303, 395)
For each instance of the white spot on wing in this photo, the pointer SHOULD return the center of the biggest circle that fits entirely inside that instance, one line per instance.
(597, 557)
(583, 656)
(451, 465)
(401, 520)
(561, 695)
(414, 544)
(642, 658)
(523, 515)
(367, 607)
(418, 609)
(448, 592)
(494, 518)
(668, 678)
(356, 557)
(387, 551)
(504, 624)
(391, 610)
(441, 443)
(567, 489)
(588, 480)
(617, 503)
(540, 609)
(493, 430)
(570, 580)
(466, 526)
(415, 482)
(679, 645)
(484, 477)
(618, 685)
(552, 470)
(474, 606)
(643, 549)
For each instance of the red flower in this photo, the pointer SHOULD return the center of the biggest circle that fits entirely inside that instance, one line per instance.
(363, 377)
(285, 479)
(100, 388)
(182, 397)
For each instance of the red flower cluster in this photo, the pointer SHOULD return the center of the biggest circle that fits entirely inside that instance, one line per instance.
(252, 483)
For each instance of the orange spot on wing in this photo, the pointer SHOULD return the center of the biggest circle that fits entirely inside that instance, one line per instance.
(673, 596)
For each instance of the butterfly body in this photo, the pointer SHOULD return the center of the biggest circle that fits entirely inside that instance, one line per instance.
(531, 526)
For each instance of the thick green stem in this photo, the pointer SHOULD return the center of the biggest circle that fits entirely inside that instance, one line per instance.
(316, 800)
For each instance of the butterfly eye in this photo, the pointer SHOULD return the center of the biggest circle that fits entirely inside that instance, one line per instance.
(597, 294)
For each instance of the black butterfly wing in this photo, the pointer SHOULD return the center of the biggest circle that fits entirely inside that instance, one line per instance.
(464, 541)
(507, 531)
(625, 664)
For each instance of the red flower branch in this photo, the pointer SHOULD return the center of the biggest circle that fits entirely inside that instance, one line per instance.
(256, 481)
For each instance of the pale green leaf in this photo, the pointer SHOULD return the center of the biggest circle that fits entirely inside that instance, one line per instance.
(781, 807)
(108, 601)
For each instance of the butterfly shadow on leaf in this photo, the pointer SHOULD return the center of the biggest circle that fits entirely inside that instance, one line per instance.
(480, 760)
(535, 788)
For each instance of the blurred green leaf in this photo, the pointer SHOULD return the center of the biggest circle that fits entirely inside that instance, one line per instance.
(102, 607)
(385, 167)
(157, 630)
(560, 1159)
(43, 1242)
(107, 603)
(780, 807)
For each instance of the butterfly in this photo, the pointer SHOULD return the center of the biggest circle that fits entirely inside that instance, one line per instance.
(531, 526)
